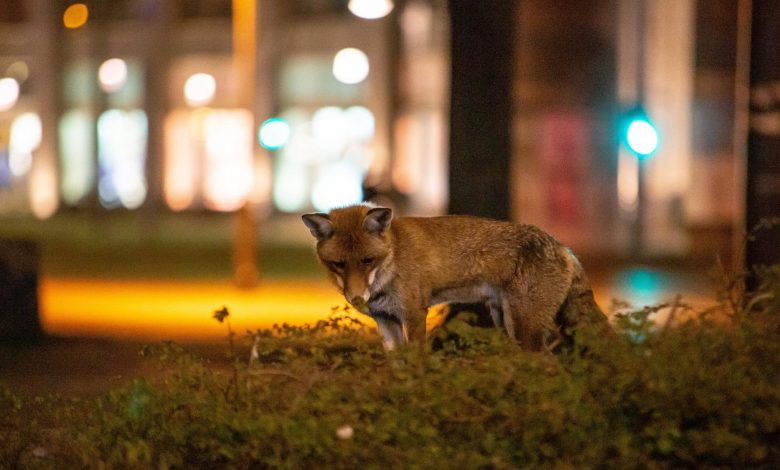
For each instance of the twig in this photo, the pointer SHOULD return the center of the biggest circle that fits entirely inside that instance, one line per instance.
(673, 313)
(756, 299)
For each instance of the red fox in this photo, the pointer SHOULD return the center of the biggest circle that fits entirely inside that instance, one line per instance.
(393, 269)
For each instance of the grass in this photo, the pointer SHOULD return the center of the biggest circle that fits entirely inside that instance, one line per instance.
(704, 393)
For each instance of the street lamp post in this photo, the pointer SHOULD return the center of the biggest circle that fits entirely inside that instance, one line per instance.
(245, 272)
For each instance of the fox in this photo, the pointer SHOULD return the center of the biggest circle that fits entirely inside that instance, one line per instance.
(394, 269)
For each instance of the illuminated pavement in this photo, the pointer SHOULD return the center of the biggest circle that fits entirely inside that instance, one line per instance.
(178, 310)
(182, 310)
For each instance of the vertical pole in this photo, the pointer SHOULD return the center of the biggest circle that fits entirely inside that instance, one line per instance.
(482, 73)
(631, 93)
(45, 182)
(156, 105)
(629, 43)
(763, 171)
(638, 245)
(741, 127)
(245, 272)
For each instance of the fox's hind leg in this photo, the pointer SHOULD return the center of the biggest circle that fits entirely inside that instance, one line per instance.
(495, 306)
(530, 320)
(530, 304)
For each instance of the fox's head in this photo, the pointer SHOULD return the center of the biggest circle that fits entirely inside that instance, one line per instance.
(354, 244)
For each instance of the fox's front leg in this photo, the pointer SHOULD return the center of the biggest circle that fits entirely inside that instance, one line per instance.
(390, 329)
(401, 329)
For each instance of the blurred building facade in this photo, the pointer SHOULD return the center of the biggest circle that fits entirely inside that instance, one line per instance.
(140, 105)
(143, 106)
(577, 71)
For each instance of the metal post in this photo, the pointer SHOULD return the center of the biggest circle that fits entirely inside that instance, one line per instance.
(763, 172)
(638, 229)
(482, 69)
(245, 274)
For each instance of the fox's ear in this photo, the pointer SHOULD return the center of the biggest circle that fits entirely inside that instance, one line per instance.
(319, 224)
(377, 220)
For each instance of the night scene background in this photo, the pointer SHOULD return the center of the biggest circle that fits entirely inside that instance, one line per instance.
(155, 156)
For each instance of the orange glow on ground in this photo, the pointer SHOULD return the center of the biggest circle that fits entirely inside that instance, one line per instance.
(154, 310)
(182, 311)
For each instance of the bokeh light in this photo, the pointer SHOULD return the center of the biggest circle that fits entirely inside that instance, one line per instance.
(26, 134)
(339, 184)
(122, 143)
(642, 137)
(182, 160)
(290, 191)
(643, 285)
(228, 165)
(112, 75)
(75, 16)
(18, 71)
(9, 93)
(199, 89)
(361, 122)
(350, 66)
(370, 9)
(44, 199)
(77, 164)
(330, 131)
(274, 133)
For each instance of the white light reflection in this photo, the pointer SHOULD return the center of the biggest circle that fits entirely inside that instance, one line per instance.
(339, 184)
(228, 171)
(199, 89)
(361, 123)
(370, 9)
(122, 137)
(77, 166)
(25, 138)
(290, 190)
(326, 159)
(330, 130)
(350, 66)
(112, 75)
(9, 93)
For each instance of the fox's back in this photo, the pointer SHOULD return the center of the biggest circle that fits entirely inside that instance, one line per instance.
(465, 246)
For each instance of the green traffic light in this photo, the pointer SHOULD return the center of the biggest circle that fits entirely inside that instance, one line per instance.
(642, 137)
(638, 132)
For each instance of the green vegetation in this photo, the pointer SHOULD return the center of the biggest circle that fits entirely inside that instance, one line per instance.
(704, 393)
(141, 245)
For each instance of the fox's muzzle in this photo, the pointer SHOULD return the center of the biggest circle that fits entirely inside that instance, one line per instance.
(356, 288)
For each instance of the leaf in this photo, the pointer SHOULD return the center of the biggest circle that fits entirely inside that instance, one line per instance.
(221, 314)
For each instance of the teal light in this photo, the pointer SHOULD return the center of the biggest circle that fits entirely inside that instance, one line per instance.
(637, 132)
(644, 282)
(274, 133)
(642, 137)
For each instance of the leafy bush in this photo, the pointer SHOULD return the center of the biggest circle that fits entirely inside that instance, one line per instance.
(704, 393)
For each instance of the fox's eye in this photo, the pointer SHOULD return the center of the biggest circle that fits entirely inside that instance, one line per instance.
(367, 261)
(337, 265)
